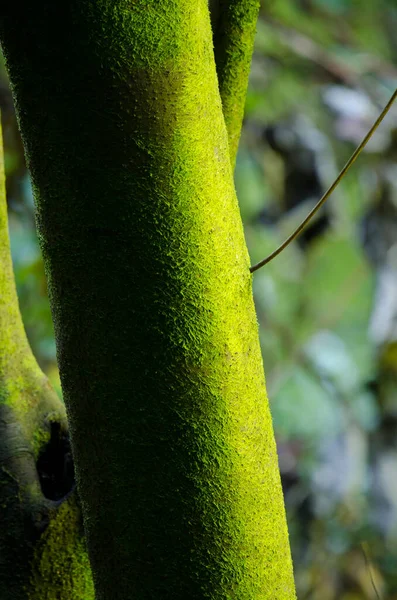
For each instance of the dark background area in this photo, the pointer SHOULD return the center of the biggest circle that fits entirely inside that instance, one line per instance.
(327, 307)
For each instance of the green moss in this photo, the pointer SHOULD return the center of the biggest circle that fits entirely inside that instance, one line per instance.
(60, 568)
(21, 381)
(151, 296)
(41, 437)
(27, 406)
(11, 328)
(234, 33)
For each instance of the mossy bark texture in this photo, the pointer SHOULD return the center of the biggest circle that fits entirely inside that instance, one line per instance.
(29, 410)
(122, 121)
(234, 26)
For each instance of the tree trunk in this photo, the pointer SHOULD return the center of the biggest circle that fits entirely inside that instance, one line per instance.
(148, 272)
(41, 558)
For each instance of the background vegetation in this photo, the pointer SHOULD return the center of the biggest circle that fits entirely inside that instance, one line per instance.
(327, 306)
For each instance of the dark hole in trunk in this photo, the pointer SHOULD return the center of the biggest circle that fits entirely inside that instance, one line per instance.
(55, 465)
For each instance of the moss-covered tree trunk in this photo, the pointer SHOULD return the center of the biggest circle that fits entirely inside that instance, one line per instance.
(42, 550)
(121, 116)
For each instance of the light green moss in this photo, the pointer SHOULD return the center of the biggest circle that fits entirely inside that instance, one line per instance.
(12, 337)
(23, 387)
(22, 384)
(60, 568)
(234, 33)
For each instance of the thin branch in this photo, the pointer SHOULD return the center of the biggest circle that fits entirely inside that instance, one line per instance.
(369, 567)
(327, 194)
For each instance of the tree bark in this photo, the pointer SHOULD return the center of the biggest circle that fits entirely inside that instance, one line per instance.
(40, 557)
(234, 26)
(121, 117)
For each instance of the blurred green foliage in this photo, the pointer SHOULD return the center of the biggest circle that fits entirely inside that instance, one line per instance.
(322, 71)
(327, 306)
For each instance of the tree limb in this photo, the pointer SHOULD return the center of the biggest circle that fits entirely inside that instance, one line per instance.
(234, 26)
(32, 419)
